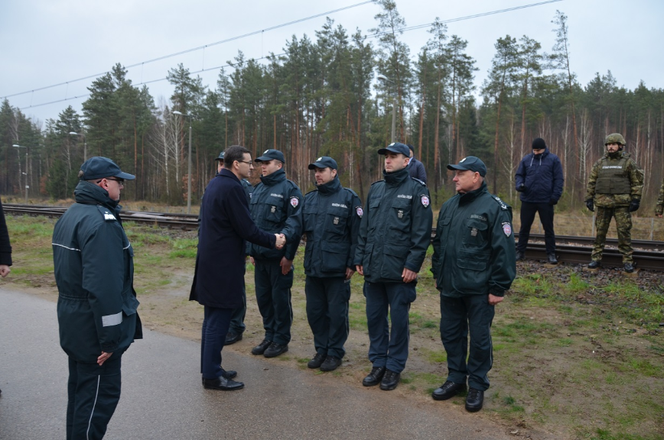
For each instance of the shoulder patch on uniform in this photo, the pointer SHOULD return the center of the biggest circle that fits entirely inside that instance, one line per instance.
(294, 201)
(108, 215)
(502, 204)
(507, 229)
(359, 211)
(425, 200)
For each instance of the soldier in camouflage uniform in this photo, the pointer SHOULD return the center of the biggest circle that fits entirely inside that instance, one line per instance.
(614, 187)
(660, 202)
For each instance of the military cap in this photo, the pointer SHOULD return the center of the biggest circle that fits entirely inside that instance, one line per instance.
(469, 163)
(324, 162)
(98, 167)
(271, 154)
(396, 147)
(221, 156)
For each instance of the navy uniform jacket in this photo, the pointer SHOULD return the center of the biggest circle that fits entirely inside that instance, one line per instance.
(94, 271)
(225, 225)
(396, 228)
(273, 201)
(330, 218)
(5, 246)
(474, 250)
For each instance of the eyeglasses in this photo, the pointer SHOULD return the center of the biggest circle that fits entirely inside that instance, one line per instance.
(248, 162)
(120, 181)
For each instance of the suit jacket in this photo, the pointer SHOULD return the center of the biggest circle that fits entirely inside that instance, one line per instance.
(225, 226)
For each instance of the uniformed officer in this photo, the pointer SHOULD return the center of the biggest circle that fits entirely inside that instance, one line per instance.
(330, 218)
(273, 201)
(237, 319)
(94, 271)
(614, 187)
(659, 208)
(474, 264)
(394, 236)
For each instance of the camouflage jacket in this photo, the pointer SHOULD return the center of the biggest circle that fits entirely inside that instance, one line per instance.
(631, 171)
(660, 201)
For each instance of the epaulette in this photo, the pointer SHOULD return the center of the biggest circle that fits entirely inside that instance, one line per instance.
(106, 214)
(502, 204)
(351, 191)
(418, 180)
(378, 181)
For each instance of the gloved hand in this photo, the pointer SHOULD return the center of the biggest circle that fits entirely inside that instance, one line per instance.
(590, 205)
(634, 205)
(553, 202)
(521, 188)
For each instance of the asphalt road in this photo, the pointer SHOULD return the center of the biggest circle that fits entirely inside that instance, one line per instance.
(162, 396)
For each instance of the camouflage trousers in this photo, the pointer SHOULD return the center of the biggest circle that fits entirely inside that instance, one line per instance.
(624, 227)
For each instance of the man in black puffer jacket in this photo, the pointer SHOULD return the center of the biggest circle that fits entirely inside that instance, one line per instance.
(540, 180)
(94, 272)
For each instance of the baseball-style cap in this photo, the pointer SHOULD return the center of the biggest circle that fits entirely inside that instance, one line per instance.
(324, 162)
(271, 154)
(221, 156)
(396, 147)
(98, 167)
(469, 163)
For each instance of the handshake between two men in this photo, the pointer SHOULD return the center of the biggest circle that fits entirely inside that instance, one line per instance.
(281, 241)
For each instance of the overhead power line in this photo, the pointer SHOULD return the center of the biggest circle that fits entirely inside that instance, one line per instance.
(404, 29)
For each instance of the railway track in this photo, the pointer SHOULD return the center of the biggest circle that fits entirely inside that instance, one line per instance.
(569, 249)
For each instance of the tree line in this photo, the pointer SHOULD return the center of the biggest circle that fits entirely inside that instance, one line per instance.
(322, 97)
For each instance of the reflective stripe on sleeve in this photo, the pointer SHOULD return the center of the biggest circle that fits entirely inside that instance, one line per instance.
(111, 320)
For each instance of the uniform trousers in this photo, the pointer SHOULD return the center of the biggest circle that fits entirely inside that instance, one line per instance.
(457, 317)
(93, 392)
(273, 295)
(215, 326)
(528, 211)
(237, 318)
(623, 226)
(327, 313)
(389, 348)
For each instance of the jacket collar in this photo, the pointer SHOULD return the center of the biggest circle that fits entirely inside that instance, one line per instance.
(330, 187)
(88, 193)
(274, 178)
(396, 178)
(472, 195)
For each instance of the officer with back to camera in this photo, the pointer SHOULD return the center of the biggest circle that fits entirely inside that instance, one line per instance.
(394, 236)
(614, 189)
(330, 219)
(237, 319)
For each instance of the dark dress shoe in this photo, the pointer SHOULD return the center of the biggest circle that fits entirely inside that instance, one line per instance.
(331, 363)
(275, 350)
(374, 377)
(474, 400)
(593, 264)
(552, 259)
(519, 256)
(629, 267)
(232, 338)
(448, 390)
(390, 380)
(228, 374)
(317, 361)
(221, 383)
(260, 348)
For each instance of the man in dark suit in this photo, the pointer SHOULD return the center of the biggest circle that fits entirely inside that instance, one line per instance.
(225, 226)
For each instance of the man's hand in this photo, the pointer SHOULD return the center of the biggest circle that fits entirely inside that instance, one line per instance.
(280, 242)
(349, 273)
(103, 358)
(285, 265)
(4, 269)
(408, 276)
(634, 205)
(521, 188)
(493, 299)
(590, 205)
(360, 269)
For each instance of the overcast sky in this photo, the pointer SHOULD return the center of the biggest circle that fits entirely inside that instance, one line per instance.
(58, 42)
